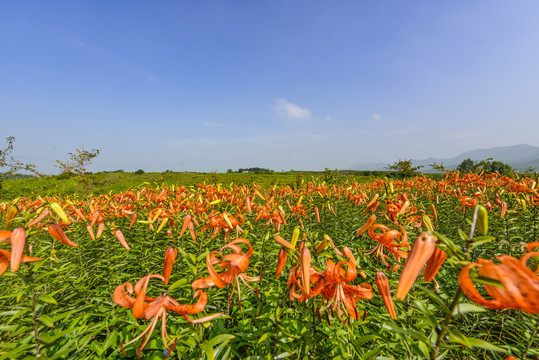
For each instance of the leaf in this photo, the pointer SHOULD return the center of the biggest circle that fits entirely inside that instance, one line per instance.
(179, 283)
(48, 299)
(430, 316)
(45, 319)
(220, 339)
(464, 308)
(208, 349)
(485, 345)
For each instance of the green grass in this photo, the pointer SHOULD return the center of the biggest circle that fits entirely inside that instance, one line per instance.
(102, 183)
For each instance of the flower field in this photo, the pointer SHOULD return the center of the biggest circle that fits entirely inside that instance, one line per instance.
(411, 269)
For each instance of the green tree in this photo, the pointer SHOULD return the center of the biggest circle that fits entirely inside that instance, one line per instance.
(488, 165)
(466, 166)
(77, 164)
(404, 168)
(13, 165)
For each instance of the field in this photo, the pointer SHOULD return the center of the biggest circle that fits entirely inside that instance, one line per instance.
(294, 266)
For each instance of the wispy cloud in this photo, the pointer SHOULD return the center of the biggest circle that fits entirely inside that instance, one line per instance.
(290, 110)
(377, 117)
(329, 119)
(214, 124)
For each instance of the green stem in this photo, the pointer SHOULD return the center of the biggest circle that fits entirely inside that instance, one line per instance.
(458, 294)
(34, 313)
(532, 337)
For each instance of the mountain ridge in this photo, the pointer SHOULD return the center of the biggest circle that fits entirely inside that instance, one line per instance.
(521, 157)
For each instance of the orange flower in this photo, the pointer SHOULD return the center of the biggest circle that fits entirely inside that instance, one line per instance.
(156, 309)
(18, 240)
(380, 279)
(520, 284)
(235, 265)
(387, 239)
(12, 211)
(56, 231)
(283, 255)
(5, 257)
(434, 264)
(121, 238)
(421, 252)
(367, 225)
(170, 256)
(333, 285)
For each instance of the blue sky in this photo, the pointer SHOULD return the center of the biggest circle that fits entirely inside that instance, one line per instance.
(305, 85)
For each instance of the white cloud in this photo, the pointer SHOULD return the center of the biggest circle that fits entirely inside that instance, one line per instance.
(290, 110)
(377, 117)
(214, 124)
(329, 119)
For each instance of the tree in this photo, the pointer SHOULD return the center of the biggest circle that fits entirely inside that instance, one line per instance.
(404, 168)
(78, 162)
(437, 167)
(466, 166)
(13, 165)
(487, 165)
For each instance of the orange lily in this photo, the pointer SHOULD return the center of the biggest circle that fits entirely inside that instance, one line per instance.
(283, 255)
(434, 264)
(156, 309)
(170, 256)
(5, 256)
(18, 240)
(367, 225)
(334, 287)
(235, 265)
(56, 231)
(380, 279)
(387, 239)
(520, 284)
(421, 252)
(121, 238)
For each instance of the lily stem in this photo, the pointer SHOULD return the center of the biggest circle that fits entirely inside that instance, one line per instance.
(532, 337)
(449, 315)
(34, 314)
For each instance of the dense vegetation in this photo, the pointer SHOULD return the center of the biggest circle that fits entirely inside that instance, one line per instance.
(333, 237)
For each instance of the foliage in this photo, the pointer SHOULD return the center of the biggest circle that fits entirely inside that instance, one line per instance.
(404, 168)
(489, 165)
(13, 165)
(254, 170)
(139, 172)
(78, 161)
(61, 307)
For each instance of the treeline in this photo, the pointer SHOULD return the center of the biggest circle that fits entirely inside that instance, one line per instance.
(251, 170)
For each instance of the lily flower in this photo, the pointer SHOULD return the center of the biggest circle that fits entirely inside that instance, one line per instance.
(18, 240)
(5, 257)
(380, 279)
(156, 309)
(235, 265)
(520, 284)
(334, 287)
(170, 256)
(56, 231)
(434, 264)
(421, 252)
(388, 239)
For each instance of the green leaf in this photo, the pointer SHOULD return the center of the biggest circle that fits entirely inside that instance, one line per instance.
(208, 349)
(48, 299)
(45, 319)
(221, 338)
(485, 345)
(178, 284)
(464, 308)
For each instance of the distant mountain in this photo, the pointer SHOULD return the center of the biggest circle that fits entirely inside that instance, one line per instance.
(520, 157)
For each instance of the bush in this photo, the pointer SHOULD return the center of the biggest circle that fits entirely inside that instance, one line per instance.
(139, 172)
